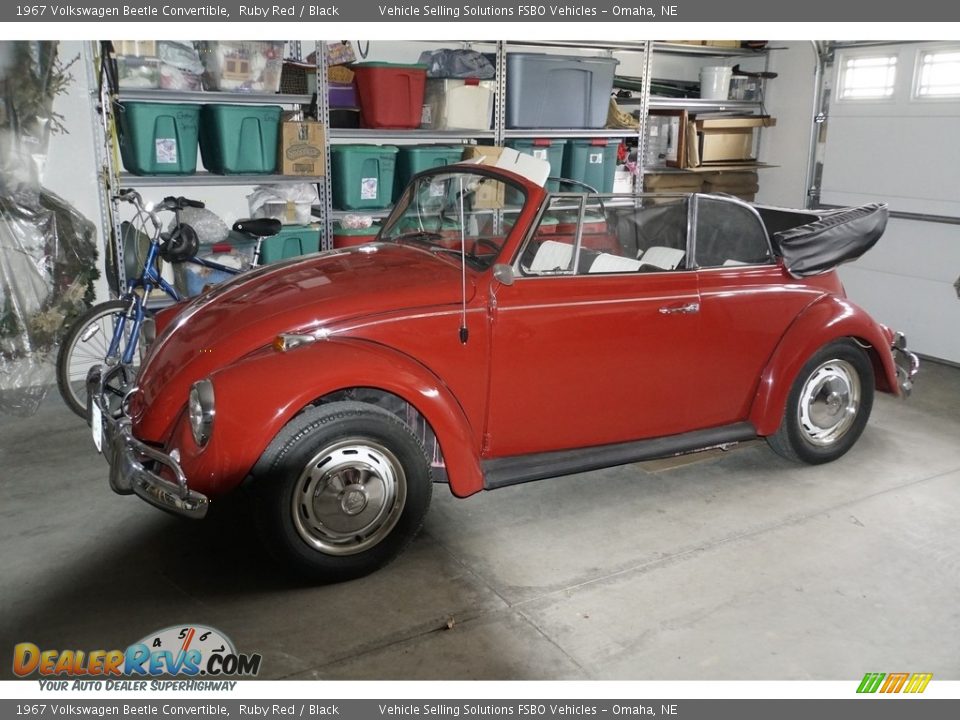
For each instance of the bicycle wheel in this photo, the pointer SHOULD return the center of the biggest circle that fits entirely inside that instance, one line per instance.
(86, 345)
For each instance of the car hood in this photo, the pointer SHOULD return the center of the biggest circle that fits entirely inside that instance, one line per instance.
(248, 312)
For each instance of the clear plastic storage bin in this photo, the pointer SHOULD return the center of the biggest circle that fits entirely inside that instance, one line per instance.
(252, 66)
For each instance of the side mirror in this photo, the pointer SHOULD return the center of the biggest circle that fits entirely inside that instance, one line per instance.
(503, 274)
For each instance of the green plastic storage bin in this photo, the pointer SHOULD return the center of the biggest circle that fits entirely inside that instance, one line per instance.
(413, 159)
(362, 176)
(158, 138)
(291, 241)
(240, 138)
(350, 237)
(593, 162)
(549, 149)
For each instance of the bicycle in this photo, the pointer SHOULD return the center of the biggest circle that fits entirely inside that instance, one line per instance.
(109, 332)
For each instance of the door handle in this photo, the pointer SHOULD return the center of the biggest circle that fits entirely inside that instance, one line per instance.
(687, 309)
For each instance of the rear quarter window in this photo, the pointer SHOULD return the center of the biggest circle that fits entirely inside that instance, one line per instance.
(729, 234)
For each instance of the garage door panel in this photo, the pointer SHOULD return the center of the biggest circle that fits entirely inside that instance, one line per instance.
(904, 304)
(923, 250)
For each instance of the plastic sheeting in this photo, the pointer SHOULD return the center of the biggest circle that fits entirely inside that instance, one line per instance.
(47, 267)
(449, 63)
(48, 251)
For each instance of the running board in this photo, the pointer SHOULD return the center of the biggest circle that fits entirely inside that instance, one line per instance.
(516, 469)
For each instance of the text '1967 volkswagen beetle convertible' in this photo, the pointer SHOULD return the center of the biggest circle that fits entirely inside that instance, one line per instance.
(496, 333)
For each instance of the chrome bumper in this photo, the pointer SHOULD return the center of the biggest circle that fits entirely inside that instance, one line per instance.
(907, 363)
(127, 455)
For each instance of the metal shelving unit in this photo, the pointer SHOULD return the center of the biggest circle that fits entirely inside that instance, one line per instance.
(418, 135)
(497, 134)
(112, 178)
(567, 133)
(649, 102)
(699, 104)
(206, 96)
(205, 179)
(668, 48)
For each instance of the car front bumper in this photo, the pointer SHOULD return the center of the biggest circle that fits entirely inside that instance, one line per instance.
(132, 462)
(906, 362)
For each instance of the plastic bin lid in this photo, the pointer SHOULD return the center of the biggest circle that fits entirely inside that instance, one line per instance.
(432, 148)
(445, 225)
(537, 142)
(370, 149)
(563, 58)
(596, 142)
(246, 107)
(392, 66)
(372, 230)
(588, 217)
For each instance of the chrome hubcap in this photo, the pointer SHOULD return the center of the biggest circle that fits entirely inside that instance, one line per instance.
(349, 497)
(829, 402)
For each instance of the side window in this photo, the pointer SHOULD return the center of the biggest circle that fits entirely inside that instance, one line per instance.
(728, 233)
(549, 251)
(654, 232)
(616, 236)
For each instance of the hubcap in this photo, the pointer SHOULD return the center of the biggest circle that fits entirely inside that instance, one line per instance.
(829, 402)
(349, 497)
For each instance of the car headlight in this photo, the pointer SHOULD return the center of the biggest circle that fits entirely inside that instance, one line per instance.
(201, 411)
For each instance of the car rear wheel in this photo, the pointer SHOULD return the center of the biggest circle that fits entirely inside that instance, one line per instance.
(342, 490)
(828, 406)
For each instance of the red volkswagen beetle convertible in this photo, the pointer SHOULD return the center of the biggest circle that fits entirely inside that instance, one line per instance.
(497, 333)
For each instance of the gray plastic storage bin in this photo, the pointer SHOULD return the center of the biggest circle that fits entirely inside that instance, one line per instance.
(558, 91)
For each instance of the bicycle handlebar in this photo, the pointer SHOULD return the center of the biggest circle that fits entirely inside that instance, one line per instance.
(173, 204)
(179, 203)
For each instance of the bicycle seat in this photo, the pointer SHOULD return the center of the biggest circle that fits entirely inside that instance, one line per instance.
(258, 227)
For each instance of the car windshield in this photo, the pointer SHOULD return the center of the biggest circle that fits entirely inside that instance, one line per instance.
(456, 214)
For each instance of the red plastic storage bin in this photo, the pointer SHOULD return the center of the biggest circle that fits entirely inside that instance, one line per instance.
(391, 95)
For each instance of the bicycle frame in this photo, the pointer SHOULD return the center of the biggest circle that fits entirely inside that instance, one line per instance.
(136, 312)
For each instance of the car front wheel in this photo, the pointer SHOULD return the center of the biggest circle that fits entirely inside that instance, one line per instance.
(828, 406)
(342, 490)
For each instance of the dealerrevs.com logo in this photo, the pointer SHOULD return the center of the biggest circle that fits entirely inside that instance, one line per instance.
(180, 650)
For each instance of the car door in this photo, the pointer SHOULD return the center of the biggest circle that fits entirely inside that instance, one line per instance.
(747, 302)
(581, 358)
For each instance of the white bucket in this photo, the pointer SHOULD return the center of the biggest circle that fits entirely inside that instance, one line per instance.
(715, 82)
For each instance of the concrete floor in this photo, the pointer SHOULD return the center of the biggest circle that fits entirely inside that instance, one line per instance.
(737, 565)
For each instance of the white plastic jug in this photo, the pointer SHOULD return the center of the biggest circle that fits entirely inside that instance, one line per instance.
(715, 82)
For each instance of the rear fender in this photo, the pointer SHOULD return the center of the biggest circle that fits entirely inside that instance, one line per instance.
(828, 319)
(258, 395)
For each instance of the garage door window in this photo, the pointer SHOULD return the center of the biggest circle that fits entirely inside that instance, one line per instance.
(938, 74)
(867, 77)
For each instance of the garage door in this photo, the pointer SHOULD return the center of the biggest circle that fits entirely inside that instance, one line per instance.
(891, 136)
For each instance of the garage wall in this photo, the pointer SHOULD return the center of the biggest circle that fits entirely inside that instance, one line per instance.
(790, 100)
(71, 170)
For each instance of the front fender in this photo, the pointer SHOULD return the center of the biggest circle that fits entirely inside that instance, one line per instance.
(823, 321)
(258, 395)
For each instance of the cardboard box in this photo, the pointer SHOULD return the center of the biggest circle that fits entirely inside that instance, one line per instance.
(729, 139)
(301, 148)
(490, 196)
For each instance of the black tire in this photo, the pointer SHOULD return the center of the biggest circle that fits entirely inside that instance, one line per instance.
(78, 353)
(369, 484)
(828, 406)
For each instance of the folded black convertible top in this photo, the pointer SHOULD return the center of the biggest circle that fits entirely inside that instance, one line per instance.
(836, 237)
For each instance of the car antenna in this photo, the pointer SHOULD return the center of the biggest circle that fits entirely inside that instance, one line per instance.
(464, 332)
